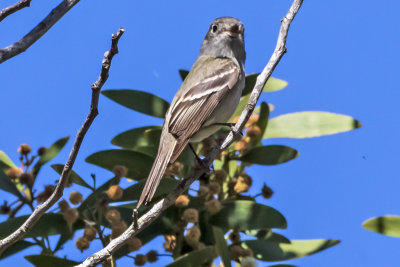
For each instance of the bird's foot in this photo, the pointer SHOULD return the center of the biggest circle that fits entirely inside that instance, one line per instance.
(236, 133)
(199, 160)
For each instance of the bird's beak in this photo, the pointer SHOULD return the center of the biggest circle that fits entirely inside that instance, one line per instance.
(233, 30)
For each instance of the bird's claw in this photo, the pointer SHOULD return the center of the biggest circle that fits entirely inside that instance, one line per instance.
(236, 133)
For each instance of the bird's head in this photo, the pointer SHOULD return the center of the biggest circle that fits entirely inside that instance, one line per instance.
(225, 38)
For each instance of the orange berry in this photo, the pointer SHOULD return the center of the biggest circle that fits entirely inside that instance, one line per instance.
(75, 197)
(13, 173)
(120, 171)
(115, 192)
(82, 243)
(24, 149)
(182, 201)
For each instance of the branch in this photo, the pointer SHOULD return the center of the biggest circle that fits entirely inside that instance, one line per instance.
(37, 32)
(196, 172)
(14, 8)
(58, 192)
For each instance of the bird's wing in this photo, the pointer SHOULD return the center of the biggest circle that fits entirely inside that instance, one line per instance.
(207, 83)
(204, 87)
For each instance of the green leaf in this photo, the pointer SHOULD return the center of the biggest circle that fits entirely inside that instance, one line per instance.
(265, 250)
(221, 246)
(6, 160)
(139, 101)
(272, 85)
(3, 166)
(50, 153)
(269, 155)
(133, 192)
(148, 136)
(204, 225)
(73, 177)
(194, 258)
(188, 160)
(242, 103)
(183, 74)
(146, 140)
(146, 150)
(138, 164)
(233, 167)
(48, 224)
(46, 261)
(386, 225)
(247, 215)
(276, 238)
(267, 234)
(15, 248)
(8, 186)
(262, 121)
(309, 124)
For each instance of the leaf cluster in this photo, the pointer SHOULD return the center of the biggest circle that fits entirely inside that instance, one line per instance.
(218, 217)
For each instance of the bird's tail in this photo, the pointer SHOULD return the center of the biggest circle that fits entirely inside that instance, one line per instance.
(165, 151)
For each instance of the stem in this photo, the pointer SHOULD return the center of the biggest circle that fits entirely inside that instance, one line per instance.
(40, 243)
(48, 243)
(164, 255)
(14, 211)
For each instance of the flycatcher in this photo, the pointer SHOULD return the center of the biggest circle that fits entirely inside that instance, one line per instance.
(209, 95)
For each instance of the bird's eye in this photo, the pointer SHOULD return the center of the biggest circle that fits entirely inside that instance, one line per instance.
(214, 28)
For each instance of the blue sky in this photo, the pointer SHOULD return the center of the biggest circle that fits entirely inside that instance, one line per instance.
(342, 57)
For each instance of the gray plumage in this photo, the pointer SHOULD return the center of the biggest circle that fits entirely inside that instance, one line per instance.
(209, 94)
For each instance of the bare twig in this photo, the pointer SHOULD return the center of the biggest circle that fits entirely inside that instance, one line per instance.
(37, 32)
(14, 8)
(58, 192)
(160, 206)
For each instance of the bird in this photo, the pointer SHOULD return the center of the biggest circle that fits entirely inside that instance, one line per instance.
(206, 99)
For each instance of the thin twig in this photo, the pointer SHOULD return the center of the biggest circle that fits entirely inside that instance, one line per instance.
(163, 204)
(39, 243)
(37, 32)
(58, 192)
(14, 8)
(16, 209)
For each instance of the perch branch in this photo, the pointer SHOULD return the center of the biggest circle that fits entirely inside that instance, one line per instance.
(30, 38)
(14, 8)
(163, 204)
(58, 192)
